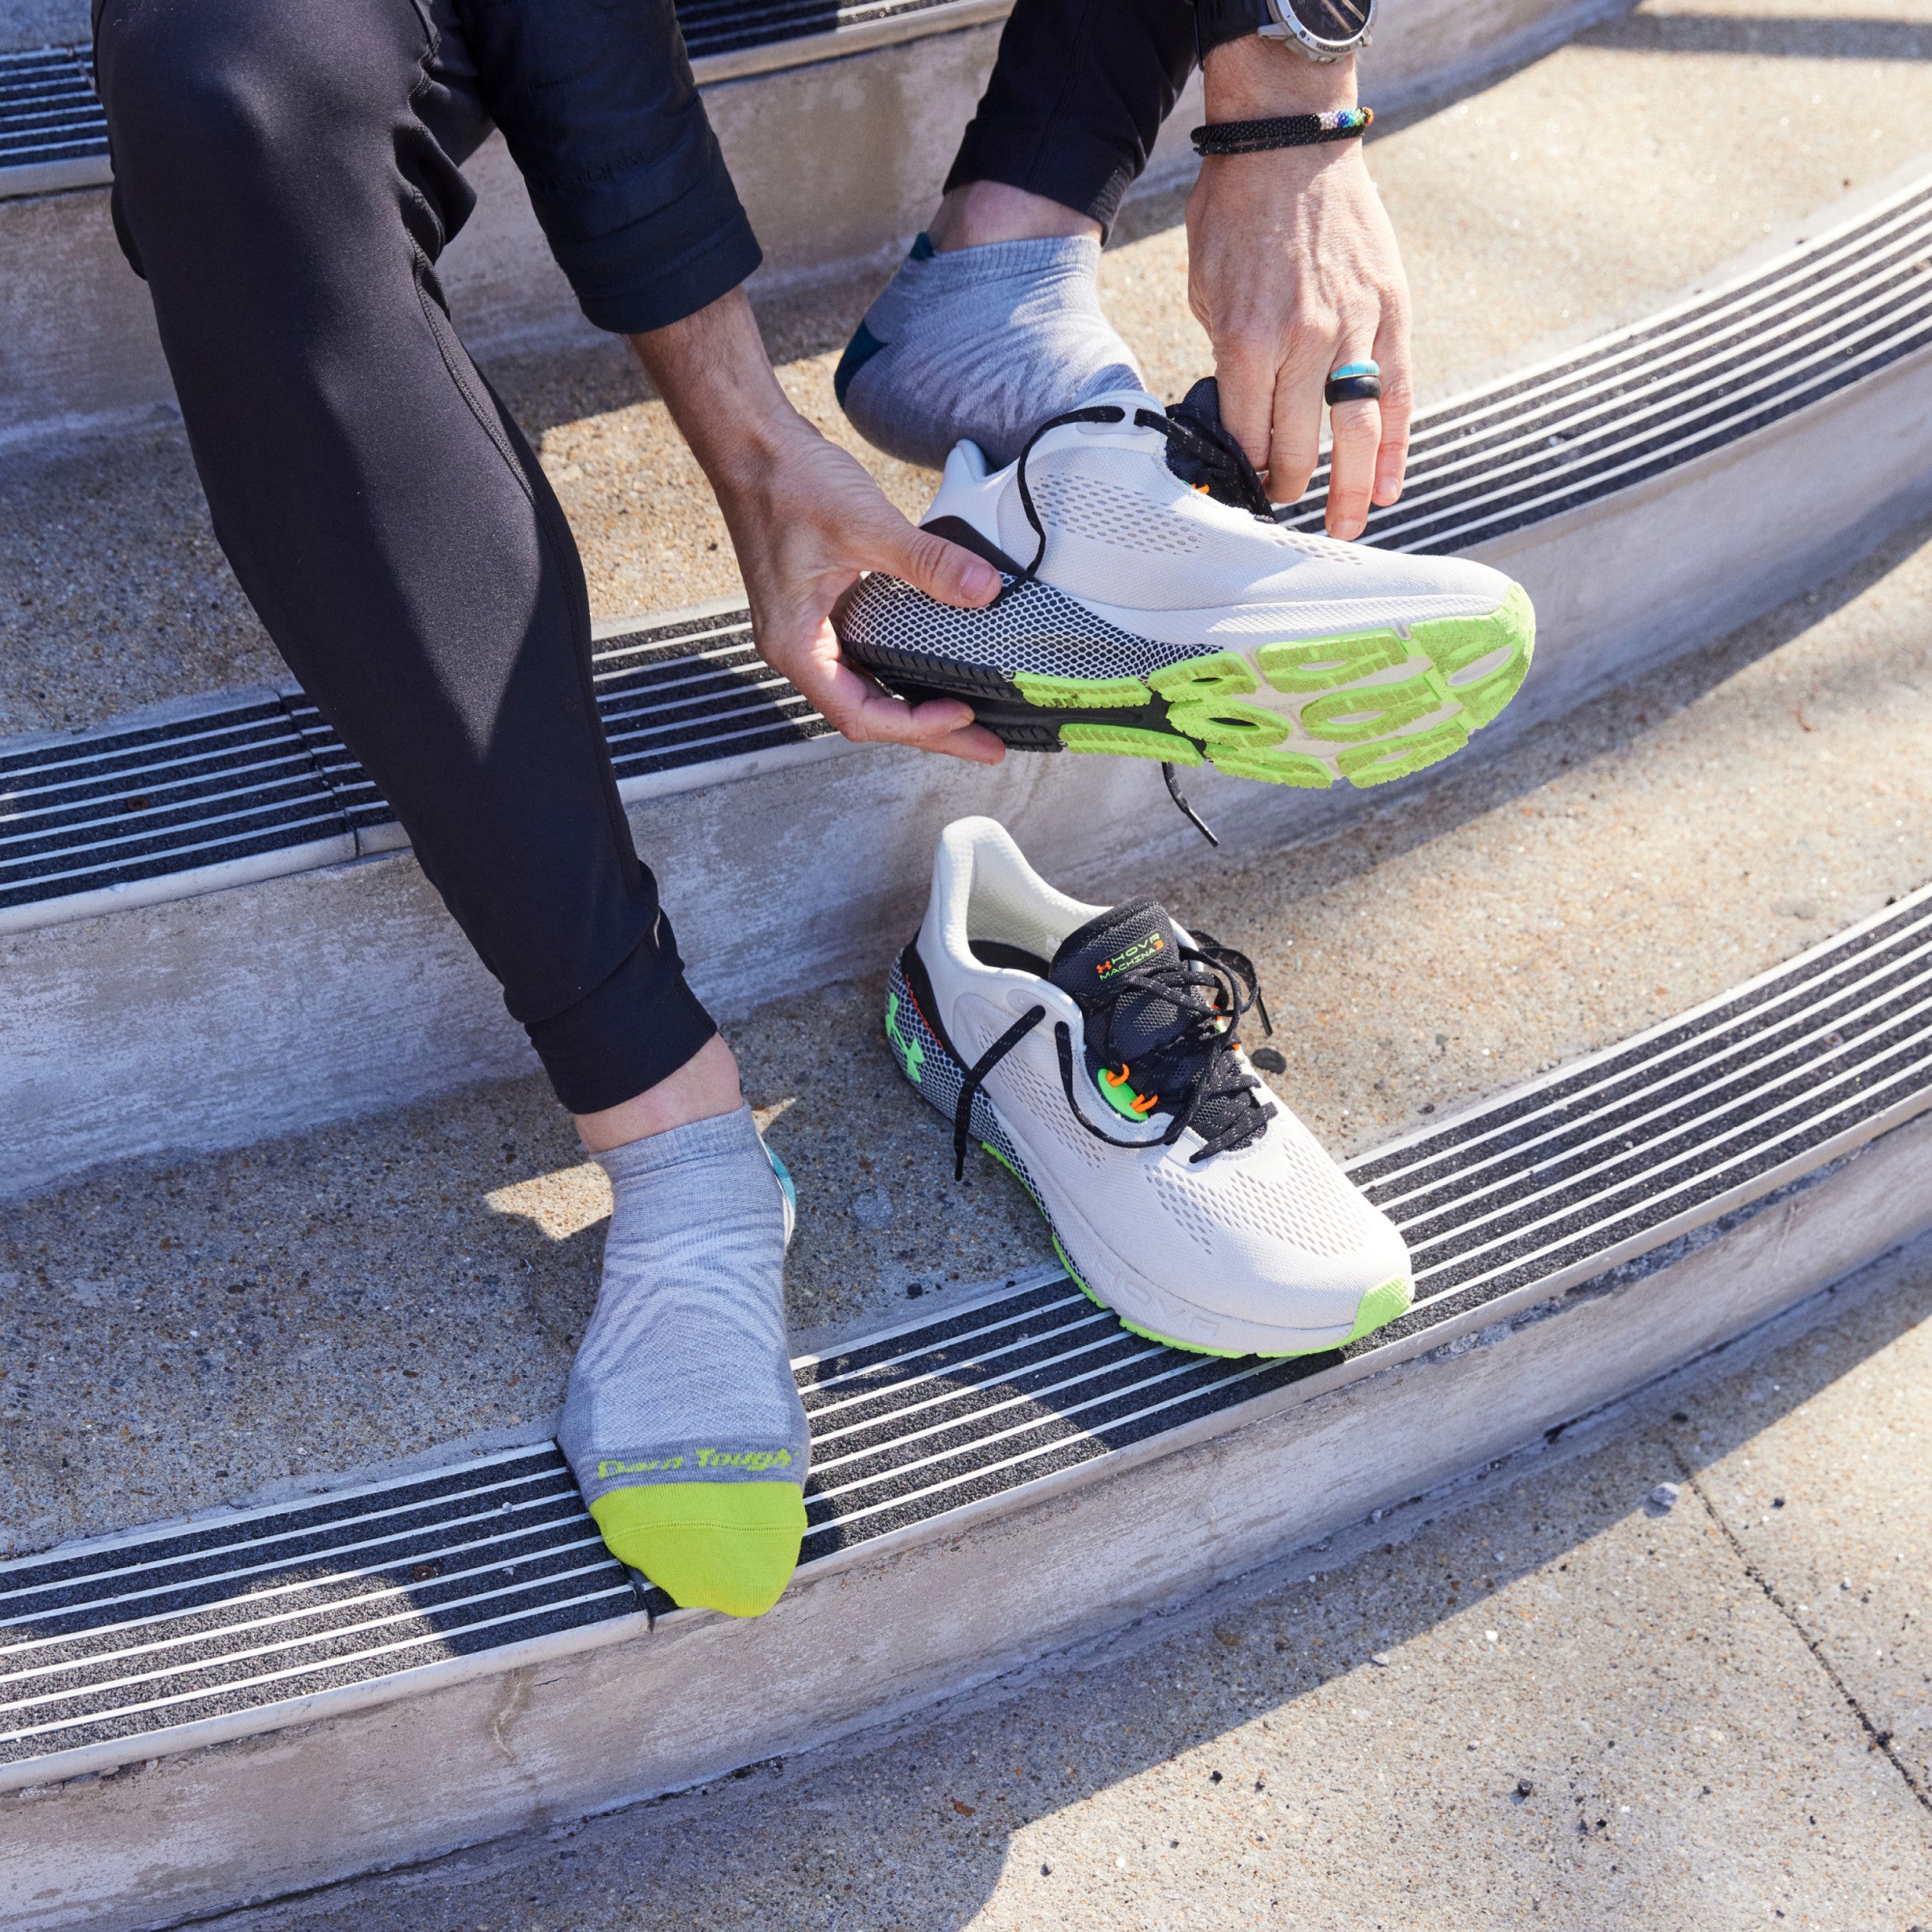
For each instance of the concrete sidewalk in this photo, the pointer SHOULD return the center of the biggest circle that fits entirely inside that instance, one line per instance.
(1536, 1700)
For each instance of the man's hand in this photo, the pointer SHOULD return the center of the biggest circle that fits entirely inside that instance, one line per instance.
(1293, 270)
(806, 520)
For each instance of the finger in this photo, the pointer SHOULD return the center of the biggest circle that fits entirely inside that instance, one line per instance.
(859, 709)
(943, 571)
(1358, 436)
(1397, 405)
(1294, 445)
(1246, 381)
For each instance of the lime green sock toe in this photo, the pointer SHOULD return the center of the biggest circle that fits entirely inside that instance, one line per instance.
(728, 1547)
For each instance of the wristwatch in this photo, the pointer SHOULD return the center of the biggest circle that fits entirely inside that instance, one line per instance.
(1318, 30)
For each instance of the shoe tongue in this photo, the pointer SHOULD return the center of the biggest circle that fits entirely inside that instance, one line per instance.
(1092, 962)
(1228, 477)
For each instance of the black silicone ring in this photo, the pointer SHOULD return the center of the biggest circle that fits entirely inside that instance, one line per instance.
(1353, 389)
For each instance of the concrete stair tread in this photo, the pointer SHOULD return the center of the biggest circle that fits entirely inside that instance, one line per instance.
(1392, 924)
(53, 132)
(1610, 873)
(130, 603)
(187, 1635)
(135, 816)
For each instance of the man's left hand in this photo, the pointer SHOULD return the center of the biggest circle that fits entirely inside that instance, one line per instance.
(1293, 271)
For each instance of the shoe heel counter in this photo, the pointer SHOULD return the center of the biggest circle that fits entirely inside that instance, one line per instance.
(970, 491)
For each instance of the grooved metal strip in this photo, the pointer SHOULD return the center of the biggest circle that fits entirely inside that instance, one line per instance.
(679, 695)
(114, 808)
(682, 695)
(48, 109)
(135, 1637)
(1647, 399)
(111, 808)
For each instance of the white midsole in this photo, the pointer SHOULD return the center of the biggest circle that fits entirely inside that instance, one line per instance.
(1243, 626)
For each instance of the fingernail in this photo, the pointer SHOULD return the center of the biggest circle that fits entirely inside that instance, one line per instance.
(982, 580)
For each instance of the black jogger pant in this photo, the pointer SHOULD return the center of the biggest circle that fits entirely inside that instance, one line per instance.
(287, 173)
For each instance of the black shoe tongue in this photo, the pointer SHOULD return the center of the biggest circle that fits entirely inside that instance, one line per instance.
(1092, 962)
(1226, 474)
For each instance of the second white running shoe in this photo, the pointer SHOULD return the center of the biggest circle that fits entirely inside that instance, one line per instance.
(1093, 1051)
(1154, 608)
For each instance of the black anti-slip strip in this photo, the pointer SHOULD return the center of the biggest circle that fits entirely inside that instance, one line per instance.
(1832, 973)
(49, 110)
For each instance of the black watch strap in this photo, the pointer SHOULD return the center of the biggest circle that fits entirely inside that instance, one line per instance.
(1217, 21)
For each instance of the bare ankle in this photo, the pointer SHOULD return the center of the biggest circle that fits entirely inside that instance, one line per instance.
(982, 211)
(706, 1085)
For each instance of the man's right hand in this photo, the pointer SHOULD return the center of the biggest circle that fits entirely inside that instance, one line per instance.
(806, 520)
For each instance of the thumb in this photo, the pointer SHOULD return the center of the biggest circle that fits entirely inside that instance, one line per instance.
(943, 571)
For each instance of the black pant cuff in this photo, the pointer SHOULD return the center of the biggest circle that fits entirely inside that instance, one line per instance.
(637, 1029)
(1079, 172)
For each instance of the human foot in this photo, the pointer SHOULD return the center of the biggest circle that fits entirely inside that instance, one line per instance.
(682, 1422)
(982, 342)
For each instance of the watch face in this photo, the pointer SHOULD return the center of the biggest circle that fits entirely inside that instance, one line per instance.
(1333, 22)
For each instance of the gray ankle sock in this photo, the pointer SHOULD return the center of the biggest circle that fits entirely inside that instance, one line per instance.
(985, 343)
(683, 1423)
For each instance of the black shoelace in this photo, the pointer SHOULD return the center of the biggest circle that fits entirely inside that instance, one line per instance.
(1230, 478)
(1213, 985)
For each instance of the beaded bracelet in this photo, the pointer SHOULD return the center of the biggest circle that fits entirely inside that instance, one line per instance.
(1285, 130)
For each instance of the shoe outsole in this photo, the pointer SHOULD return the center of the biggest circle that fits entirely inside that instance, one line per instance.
(931, 1069)
(1460, 672)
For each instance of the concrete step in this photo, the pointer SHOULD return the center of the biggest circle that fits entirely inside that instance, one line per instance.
(426, 1276)
(113, 595)
(895, 81)
(1405, 1723)
(268, 1001)
(1011, 1475)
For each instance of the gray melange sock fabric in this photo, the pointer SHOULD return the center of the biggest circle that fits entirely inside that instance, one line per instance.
(985, 343)
(684, 1375)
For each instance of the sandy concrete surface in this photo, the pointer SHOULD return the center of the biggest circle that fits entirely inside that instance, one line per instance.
(1583, 188)
(1535, 1700)
(173, 1336)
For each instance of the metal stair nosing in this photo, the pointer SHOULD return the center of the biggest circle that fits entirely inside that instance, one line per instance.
(825, 847)
(1785, 1142)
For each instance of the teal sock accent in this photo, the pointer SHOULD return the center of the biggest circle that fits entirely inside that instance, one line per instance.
(859, 351)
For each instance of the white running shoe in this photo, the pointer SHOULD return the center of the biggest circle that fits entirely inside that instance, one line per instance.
(1093, 1051)
(1155, 609)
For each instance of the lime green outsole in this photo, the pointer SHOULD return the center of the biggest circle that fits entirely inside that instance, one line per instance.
(1368, 726)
